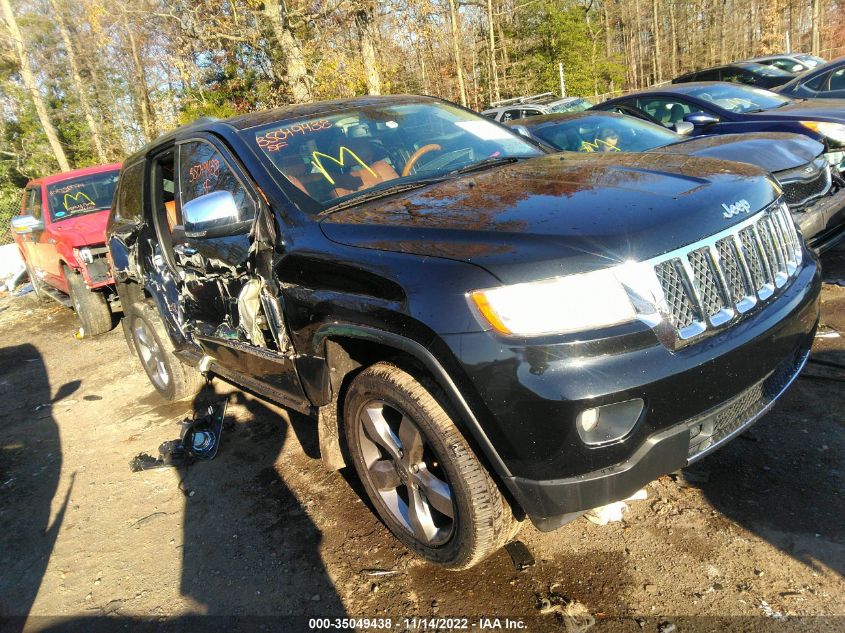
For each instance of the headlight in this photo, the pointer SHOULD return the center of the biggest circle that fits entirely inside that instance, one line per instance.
(833, 131)
(555, 306)
(83, 255)
(836, 159)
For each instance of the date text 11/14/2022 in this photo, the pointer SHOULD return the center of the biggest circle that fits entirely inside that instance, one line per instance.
(419, 624)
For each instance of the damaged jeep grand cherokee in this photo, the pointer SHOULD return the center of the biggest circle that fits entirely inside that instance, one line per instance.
(485, 332)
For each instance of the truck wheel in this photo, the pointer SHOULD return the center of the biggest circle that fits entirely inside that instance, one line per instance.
(420, 473)
(37, 285)
(91, 307)
(172, 379)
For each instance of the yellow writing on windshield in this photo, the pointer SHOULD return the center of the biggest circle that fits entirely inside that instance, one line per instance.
(80, 198)
(340, 161)
(598, 145)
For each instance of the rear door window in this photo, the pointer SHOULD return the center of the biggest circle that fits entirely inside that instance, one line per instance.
(527, 112)
(837, 80)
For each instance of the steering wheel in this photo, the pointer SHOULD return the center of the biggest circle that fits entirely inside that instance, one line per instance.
(425, 149)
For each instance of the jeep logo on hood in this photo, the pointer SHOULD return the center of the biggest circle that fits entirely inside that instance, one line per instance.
(740, 206)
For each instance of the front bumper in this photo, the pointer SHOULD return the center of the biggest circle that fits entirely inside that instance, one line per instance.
(562, 499)
(527, 397)
(823, 223)
(97, 273)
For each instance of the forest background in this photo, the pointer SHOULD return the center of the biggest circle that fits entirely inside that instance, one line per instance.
(84, 82)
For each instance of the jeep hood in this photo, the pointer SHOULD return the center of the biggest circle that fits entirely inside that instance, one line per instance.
(773, 152)
(83, 230)
(558, 214)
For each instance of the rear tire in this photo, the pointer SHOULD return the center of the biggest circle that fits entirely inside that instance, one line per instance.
(91, 306)
(172, 379)
(425, 481)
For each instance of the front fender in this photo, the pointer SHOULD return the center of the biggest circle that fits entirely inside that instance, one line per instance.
(436, 368)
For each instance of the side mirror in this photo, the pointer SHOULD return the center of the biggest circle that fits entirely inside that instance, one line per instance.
(797, 68)
(684, 127)
(213, 215)
(701, 119)
(522, 130)
(23, 224)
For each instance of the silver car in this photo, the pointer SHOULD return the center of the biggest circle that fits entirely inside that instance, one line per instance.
(523, 107)
(790, 62)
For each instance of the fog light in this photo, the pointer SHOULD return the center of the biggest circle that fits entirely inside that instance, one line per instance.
(609, 422)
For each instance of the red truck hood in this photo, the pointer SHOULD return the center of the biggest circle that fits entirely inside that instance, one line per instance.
(83, 230)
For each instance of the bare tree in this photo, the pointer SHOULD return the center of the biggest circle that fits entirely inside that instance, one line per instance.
(456, 46)
(366, 37)
(297, 77)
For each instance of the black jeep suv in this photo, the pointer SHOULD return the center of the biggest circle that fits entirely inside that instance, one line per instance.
(484, 331)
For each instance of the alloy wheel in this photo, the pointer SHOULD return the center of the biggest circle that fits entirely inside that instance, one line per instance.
(151, 355)
(405, 472)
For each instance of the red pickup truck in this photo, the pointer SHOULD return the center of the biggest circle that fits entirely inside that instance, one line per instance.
(61, 236)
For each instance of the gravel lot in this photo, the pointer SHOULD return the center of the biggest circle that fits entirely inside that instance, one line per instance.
(752, 539)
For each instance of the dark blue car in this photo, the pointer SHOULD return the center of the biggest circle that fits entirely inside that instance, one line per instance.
(823, 82)
(815, 198)
(725, 108)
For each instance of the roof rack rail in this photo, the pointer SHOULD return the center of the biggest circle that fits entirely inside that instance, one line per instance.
(530, 99)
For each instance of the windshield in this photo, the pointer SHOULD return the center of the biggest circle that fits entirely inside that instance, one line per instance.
(573, 105)
(735, 98)
(339, 156)
(78, 196)
(605, 133)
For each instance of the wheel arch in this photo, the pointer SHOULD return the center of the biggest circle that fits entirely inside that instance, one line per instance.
(350, 349)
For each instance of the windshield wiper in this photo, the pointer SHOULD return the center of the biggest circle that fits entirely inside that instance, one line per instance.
(486, 162)
(382, 192)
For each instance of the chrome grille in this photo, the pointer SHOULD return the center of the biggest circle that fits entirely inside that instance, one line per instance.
(711, 283)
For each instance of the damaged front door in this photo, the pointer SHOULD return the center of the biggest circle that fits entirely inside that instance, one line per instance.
(231, 305)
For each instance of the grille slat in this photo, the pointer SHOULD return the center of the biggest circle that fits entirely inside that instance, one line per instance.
(752, 256)
(764, 243)
(731, 267)
(705, 278)
(682, 309)
(707, 284)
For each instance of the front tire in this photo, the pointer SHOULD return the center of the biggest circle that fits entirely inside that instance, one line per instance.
(172, 379)
(37, 285)
(91, 307)
(422, 476)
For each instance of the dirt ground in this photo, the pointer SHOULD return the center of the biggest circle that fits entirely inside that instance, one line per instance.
(753, 538)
